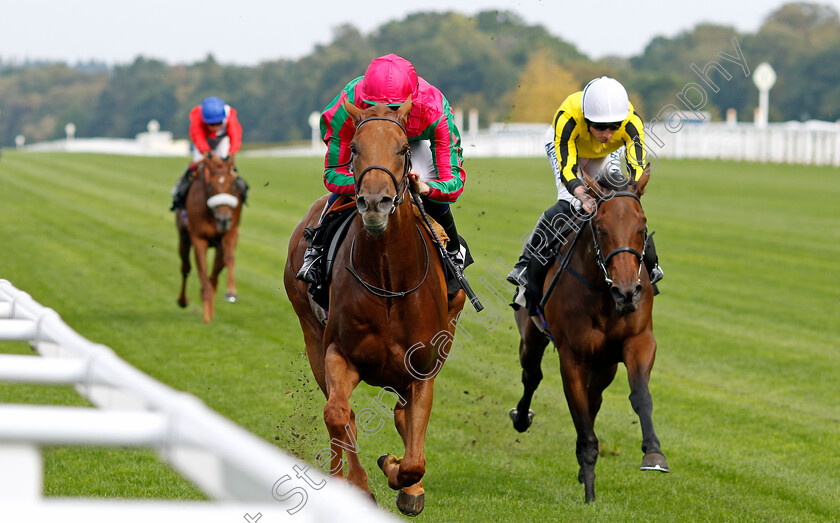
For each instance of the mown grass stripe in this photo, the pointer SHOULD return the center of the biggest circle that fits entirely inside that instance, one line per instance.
(744, 387)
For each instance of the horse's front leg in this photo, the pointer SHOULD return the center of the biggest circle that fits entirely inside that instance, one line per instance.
(341, 379)
(229, 247)
(412, 499)
(575, 372)
(406, 473)
(531, 349)
(184, 245)
(200, 246)
(639, 354)
(218, 265)
(598, 382)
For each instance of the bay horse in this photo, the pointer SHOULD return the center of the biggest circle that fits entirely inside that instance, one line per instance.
(211, 219)
(389, 319)
(599, 314)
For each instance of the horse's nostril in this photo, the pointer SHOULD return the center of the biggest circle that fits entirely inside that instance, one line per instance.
(617, 295)
(224, 224)
(385, 204)
(637, 291)
(361, 204)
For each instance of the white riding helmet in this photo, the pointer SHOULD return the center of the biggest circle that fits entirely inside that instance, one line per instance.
(605, 101)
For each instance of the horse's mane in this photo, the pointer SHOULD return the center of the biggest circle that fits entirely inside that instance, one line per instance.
(214, 163)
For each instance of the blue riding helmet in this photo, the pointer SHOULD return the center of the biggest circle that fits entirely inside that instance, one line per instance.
(213, 110)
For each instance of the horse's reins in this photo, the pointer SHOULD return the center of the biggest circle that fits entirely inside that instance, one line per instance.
(563, 265)
(385, 293)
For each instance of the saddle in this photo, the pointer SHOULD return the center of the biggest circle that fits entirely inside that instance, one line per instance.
(530, 295)
(337, 222)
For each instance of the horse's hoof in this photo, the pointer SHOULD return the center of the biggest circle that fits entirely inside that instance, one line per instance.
(514, 416)
(655, 461)
(182, 303)
(410, 505)
(230, 297)
(383, 459)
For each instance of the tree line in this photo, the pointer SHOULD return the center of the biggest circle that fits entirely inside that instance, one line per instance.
(493, 61)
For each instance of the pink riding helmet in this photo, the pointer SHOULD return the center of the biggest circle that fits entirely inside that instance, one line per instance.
(389, 79)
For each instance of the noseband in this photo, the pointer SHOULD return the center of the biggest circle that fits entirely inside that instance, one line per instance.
(401, 186)
(220, 198)
(602, 260)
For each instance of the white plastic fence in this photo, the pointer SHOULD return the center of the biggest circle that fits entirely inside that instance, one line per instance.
(143, 145)
(810, 143)
(237, 470)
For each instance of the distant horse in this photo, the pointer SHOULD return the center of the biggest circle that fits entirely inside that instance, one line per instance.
(211, 219)
(389, 321)
(599, 314)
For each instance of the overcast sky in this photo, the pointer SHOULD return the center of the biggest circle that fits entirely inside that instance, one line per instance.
(248, 32)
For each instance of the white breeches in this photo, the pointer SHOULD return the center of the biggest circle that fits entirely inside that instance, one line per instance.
(222, 149)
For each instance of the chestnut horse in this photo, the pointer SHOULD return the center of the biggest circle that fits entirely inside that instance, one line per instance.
(599, 314)
(389, 321)
(211, 219)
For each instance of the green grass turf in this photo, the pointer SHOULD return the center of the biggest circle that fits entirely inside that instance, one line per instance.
(745, 386)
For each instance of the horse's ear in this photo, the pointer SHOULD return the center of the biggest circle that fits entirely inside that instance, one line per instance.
(587, 181)
(354, 112)
(638, 187)
(405, 108)
(595, 189)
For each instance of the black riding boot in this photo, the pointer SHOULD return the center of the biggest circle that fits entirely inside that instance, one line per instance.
(442, 213)
(652, 260)
(242, 186)
(539, 244)
(310, 270)
(181, 189)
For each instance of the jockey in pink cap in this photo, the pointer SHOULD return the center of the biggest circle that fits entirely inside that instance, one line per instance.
(436, 153)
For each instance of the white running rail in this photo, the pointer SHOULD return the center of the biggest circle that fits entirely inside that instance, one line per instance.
(246, 478)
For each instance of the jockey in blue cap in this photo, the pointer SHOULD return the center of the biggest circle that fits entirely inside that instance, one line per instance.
(214, 129)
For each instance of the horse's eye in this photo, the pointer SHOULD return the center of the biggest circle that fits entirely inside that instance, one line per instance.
(352, 148)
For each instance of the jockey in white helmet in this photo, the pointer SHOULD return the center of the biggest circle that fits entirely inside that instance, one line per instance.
(591, 132)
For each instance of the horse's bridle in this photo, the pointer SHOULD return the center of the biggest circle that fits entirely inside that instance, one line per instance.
(220, 198)
(602, 260)
(401, 186)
